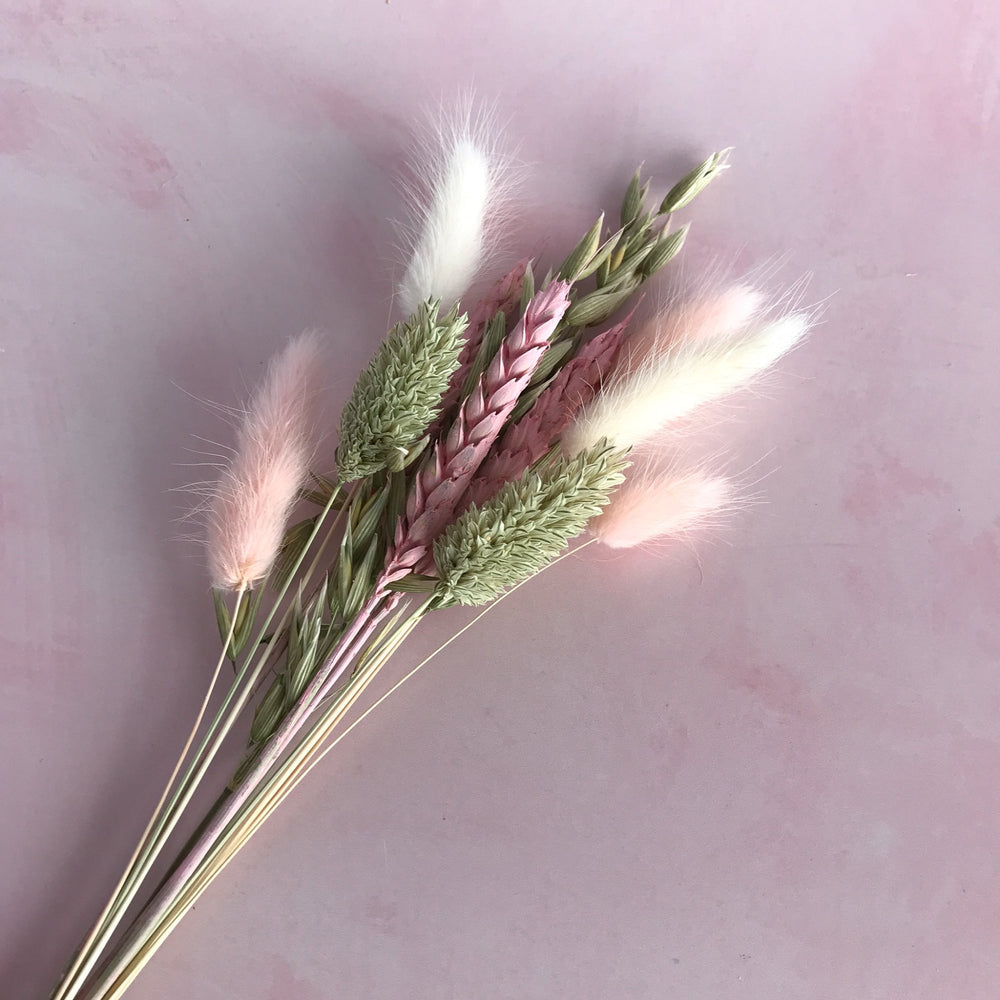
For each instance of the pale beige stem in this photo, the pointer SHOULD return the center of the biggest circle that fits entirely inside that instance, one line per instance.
(87, 956)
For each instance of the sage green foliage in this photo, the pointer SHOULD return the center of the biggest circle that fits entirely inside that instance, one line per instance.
(291, 551)
(398, 395)
(318, 623)
(583, 253)
(632, 254)
(666, 249)
(246, 612)
(635, 197)
(524, 526)
(527, 286)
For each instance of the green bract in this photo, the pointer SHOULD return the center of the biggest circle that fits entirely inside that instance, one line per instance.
(524, 526)
(398, 395)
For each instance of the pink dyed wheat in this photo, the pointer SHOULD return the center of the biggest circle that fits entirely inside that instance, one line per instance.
(523, 443)
(504, 296)
(448, 469)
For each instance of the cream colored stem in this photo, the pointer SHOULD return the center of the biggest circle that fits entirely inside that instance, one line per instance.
(90, 950)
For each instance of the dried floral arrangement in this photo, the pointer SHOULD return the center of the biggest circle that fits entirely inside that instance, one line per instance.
(474, 448)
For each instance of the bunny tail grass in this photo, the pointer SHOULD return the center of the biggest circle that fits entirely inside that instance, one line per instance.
(462, 184)
(724, 314)
(635, 406)
(252, 499)
(645, 508)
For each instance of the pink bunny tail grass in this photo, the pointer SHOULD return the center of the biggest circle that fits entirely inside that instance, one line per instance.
(447, 471)
(638, 405)
(523, 443)
(724, 314)
(505, 297)
(462, 184)
(250, 505)
(644, 509)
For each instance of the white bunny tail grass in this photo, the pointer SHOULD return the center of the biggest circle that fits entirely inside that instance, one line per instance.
(251, 502)
(636, 406)
(462, 184)
(648, 507)
(720, 313)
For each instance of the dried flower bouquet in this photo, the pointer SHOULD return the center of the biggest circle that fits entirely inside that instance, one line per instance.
(474, 447)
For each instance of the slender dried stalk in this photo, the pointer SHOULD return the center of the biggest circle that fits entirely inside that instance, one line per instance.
(361, 629)
(256, 810)
(89, 952)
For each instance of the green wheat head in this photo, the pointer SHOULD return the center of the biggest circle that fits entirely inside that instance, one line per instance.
(524, 526)
(398, 395)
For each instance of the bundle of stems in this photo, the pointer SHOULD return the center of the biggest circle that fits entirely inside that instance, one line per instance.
(474, 447)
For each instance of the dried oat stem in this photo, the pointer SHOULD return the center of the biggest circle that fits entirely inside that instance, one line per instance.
(90, 950)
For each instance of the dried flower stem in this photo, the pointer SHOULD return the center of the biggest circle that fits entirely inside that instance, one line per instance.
(165, 819)
(89, 952)
(304, 759)
(278, 787)
(359, 631)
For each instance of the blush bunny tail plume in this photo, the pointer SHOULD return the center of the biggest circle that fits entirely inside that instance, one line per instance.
(646, 508)
(462, 183)
(724, 314)
(251, 502)
(677, 378)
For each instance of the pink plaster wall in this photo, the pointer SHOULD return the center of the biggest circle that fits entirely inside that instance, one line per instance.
(765, 765)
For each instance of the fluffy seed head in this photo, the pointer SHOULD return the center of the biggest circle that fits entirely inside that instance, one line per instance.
(250, 504)
(645, 508)
(677, 378)
(457, 201)
(721, 315)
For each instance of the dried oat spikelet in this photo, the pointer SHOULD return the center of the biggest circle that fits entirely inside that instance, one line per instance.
(399, 394)
(251, 502)
(525, 526)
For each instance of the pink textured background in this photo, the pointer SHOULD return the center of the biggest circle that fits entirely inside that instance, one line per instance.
(765, 767)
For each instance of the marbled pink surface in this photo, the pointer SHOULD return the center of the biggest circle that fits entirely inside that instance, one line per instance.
(764, 766)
